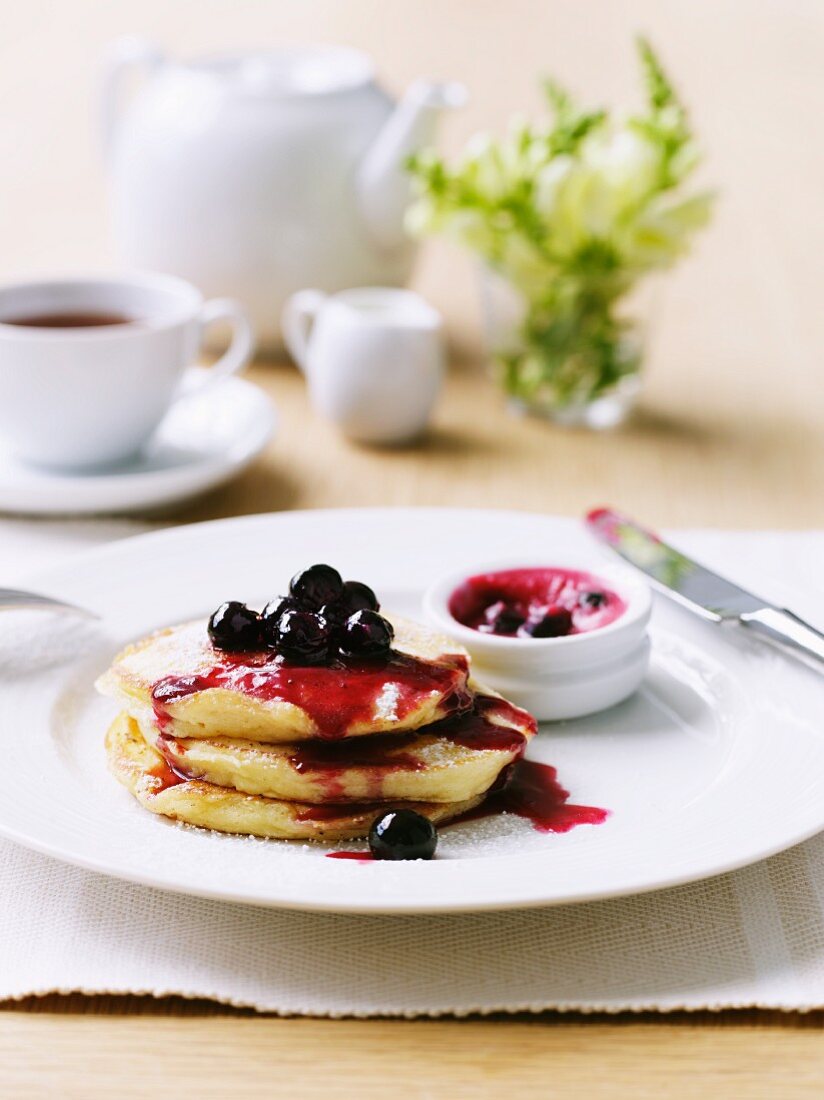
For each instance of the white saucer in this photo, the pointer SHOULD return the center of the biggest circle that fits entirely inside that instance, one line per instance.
(202, 443)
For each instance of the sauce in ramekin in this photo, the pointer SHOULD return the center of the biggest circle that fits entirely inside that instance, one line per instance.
(544, 602)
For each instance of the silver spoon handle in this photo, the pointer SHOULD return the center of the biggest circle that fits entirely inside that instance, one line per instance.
(15, 599)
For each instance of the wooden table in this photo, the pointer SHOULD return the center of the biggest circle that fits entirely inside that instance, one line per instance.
(730, 433)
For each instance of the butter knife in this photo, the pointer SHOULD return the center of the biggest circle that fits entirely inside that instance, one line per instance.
(712, 597)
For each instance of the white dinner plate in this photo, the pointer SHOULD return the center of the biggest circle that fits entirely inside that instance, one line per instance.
(202, 443)
(718, 761)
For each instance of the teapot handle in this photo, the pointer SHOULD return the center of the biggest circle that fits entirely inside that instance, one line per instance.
(297, 319)
(130, 53)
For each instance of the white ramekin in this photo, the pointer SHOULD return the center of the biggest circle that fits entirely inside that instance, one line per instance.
(556, 678)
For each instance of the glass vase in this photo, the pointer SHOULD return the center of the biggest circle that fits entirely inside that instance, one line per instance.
(575, 358)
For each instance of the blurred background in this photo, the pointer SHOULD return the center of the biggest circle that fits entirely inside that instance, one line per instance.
(742, 309)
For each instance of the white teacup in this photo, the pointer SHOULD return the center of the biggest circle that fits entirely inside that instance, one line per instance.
(90, 366)
(373, 358)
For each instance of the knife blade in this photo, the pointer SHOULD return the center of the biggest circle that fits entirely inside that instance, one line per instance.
(704, 592)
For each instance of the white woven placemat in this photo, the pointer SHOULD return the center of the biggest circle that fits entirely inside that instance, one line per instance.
(755, 937)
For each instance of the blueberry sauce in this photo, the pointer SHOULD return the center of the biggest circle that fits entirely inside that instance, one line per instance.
(541, 602)
(329, 758)
(167, 775)
(532, 791)
(382, 754)
(474, 729)
(170, 748)
(171, 751)
(331, 811)
(529, 790)
(335, 696)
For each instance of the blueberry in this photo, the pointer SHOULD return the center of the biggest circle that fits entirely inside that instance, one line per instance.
(592, 600)
(502, 618)
(359, 597)
(366, 634)
(507, 621)
(335, 613)
(235, 628)
(316, 586)
(271, 615)
(402, 834)
(355, 597)
(555, 624)
(303, 636)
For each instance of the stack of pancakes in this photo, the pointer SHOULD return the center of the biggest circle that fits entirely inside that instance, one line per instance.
(254, 745)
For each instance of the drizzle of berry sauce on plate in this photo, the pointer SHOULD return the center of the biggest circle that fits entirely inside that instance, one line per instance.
(532, 791)
(529, 790)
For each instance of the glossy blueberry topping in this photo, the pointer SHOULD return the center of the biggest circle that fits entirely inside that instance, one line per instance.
(354, 597)
(335, 614)
(316, 586)
(359, 597)
(366, 634)
(235, 628)
(303, 636)
(271, 615)
(556, 623)
(322, 619)
(402, 834)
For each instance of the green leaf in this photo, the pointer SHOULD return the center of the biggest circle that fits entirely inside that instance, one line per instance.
(660, 91)
(559, 99)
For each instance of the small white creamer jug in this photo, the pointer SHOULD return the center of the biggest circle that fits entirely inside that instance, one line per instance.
(373, 358)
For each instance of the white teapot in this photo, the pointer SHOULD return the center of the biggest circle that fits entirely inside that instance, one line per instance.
(256, 174)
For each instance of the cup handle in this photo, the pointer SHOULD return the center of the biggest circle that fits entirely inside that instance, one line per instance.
(237, 355)
(125, 55)
(297, 319)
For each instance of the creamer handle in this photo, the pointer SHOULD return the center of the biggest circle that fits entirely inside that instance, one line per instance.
(296, 322)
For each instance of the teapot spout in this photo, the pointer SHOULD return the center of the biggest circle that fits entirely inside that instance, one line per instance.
(383, 182)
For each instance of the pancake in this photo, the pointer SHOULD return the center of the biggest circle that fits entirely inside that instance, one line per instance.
(144, 772)
(192, 690)
(452, 761)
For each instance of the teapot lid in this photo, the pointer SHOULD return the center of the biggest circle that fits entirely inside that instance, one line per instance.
(290, 70)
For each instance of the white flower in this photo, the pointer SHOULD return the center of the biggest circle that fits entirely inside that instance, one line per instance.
(661, 234)
(579, 206)
(548, 183)
(626, 161)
